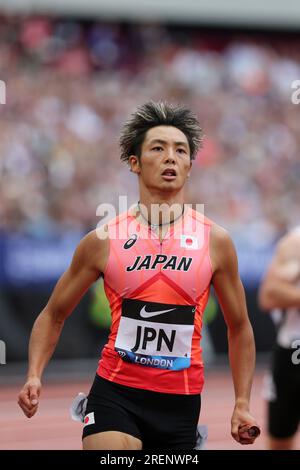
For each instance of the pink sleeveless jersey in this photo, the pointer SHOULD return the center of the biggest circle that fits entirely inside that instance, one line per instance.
(157, 293)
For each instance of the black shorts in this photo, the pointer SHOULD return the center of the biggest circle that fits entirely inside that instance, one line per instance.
(159, 420)
(284, 405)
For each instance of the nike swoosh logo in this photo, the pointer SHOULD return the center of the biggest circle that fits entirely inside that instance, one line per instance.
(145, 314)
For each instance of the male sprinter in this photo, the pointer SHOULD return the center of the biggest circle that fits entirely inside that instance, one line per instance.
(157, 276)
(280, 293)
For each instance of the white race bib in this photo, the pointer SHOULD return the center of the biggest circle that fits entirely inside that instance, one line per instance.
(156, 335)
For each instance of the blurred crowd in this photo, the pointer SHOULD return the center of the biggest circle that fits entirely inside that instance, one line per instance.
(71, 85)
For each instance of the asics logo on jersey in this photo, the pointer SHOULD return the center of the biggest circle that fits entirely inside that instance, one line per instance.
(130, 242)
(145, 314)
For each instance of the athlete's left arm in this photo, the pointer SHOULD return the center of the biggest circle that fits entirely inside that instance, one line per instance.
(231, 296)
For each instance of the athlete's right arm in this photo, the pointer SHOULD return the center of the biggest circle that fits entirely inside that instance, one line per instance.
(280, 287)
(87, 264)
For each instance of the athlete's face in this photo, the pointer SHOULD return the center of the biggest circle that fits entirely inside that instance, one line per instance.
(165, 159)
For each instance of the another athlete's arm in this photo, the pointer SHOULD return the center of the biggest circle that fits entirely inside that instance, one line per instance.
(231, 296)
(86, 266)
(279, 288)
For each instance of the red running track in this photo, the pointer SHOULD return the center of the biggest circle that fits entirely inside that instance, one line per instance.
(52, 427)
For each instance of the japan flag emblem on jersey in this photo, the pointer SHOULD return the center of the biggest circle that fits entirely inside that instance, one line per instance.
(189, 242)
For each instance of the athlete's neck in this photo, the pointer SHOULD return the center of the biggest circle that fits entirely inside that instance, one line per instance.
(159, 211)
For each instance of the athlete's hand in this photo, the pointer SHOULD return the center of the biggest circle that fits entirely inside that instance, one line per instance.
(241, 422)
(28, 398)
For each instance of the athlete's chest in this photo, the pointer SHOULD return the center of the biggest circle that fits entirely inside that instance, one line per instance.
(172, 254)
(158, 269)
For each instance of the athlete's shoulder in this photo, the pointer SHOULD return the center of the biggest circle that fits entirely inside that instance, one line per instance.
(221, 248)
(94, 240)
(220, 237)
(119, 218)
(92, 251)
(216, 230)
(200, 217)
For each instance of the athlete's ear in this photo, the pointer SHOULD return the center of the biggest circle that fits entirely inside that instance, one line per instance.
(134, 164)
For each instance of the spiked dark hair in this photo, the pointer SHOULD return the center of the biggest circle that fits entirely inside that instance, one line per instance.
(160, 113)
